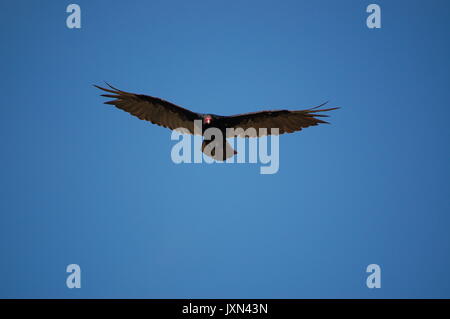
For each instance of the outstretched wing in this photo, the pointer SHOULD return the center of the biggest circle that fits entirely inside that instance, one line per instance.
(286, 121)
(152, 109)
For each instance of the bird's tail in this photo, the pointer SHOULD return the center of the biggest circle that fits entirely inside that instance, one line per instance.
(220, 151)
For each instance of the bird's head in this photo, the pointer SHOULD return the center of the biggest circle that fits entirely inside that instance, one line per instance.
(207, 119)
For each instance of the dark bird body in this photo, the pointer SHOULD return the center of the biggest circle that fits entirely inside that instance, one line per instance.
(174, 117)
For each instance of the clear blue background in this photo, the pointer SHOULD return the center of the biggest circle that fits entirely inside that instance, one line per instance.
(85, 183)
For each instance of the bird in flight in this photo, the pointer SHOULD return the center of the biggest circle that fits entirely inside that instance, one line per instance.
(174, 117)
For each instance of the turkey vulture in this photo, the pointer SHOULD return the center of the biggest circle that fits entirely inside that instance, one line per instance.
(174, 117)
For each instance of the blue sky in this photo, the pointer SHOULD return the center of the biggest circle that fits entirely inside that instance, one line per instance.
(85, 183)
